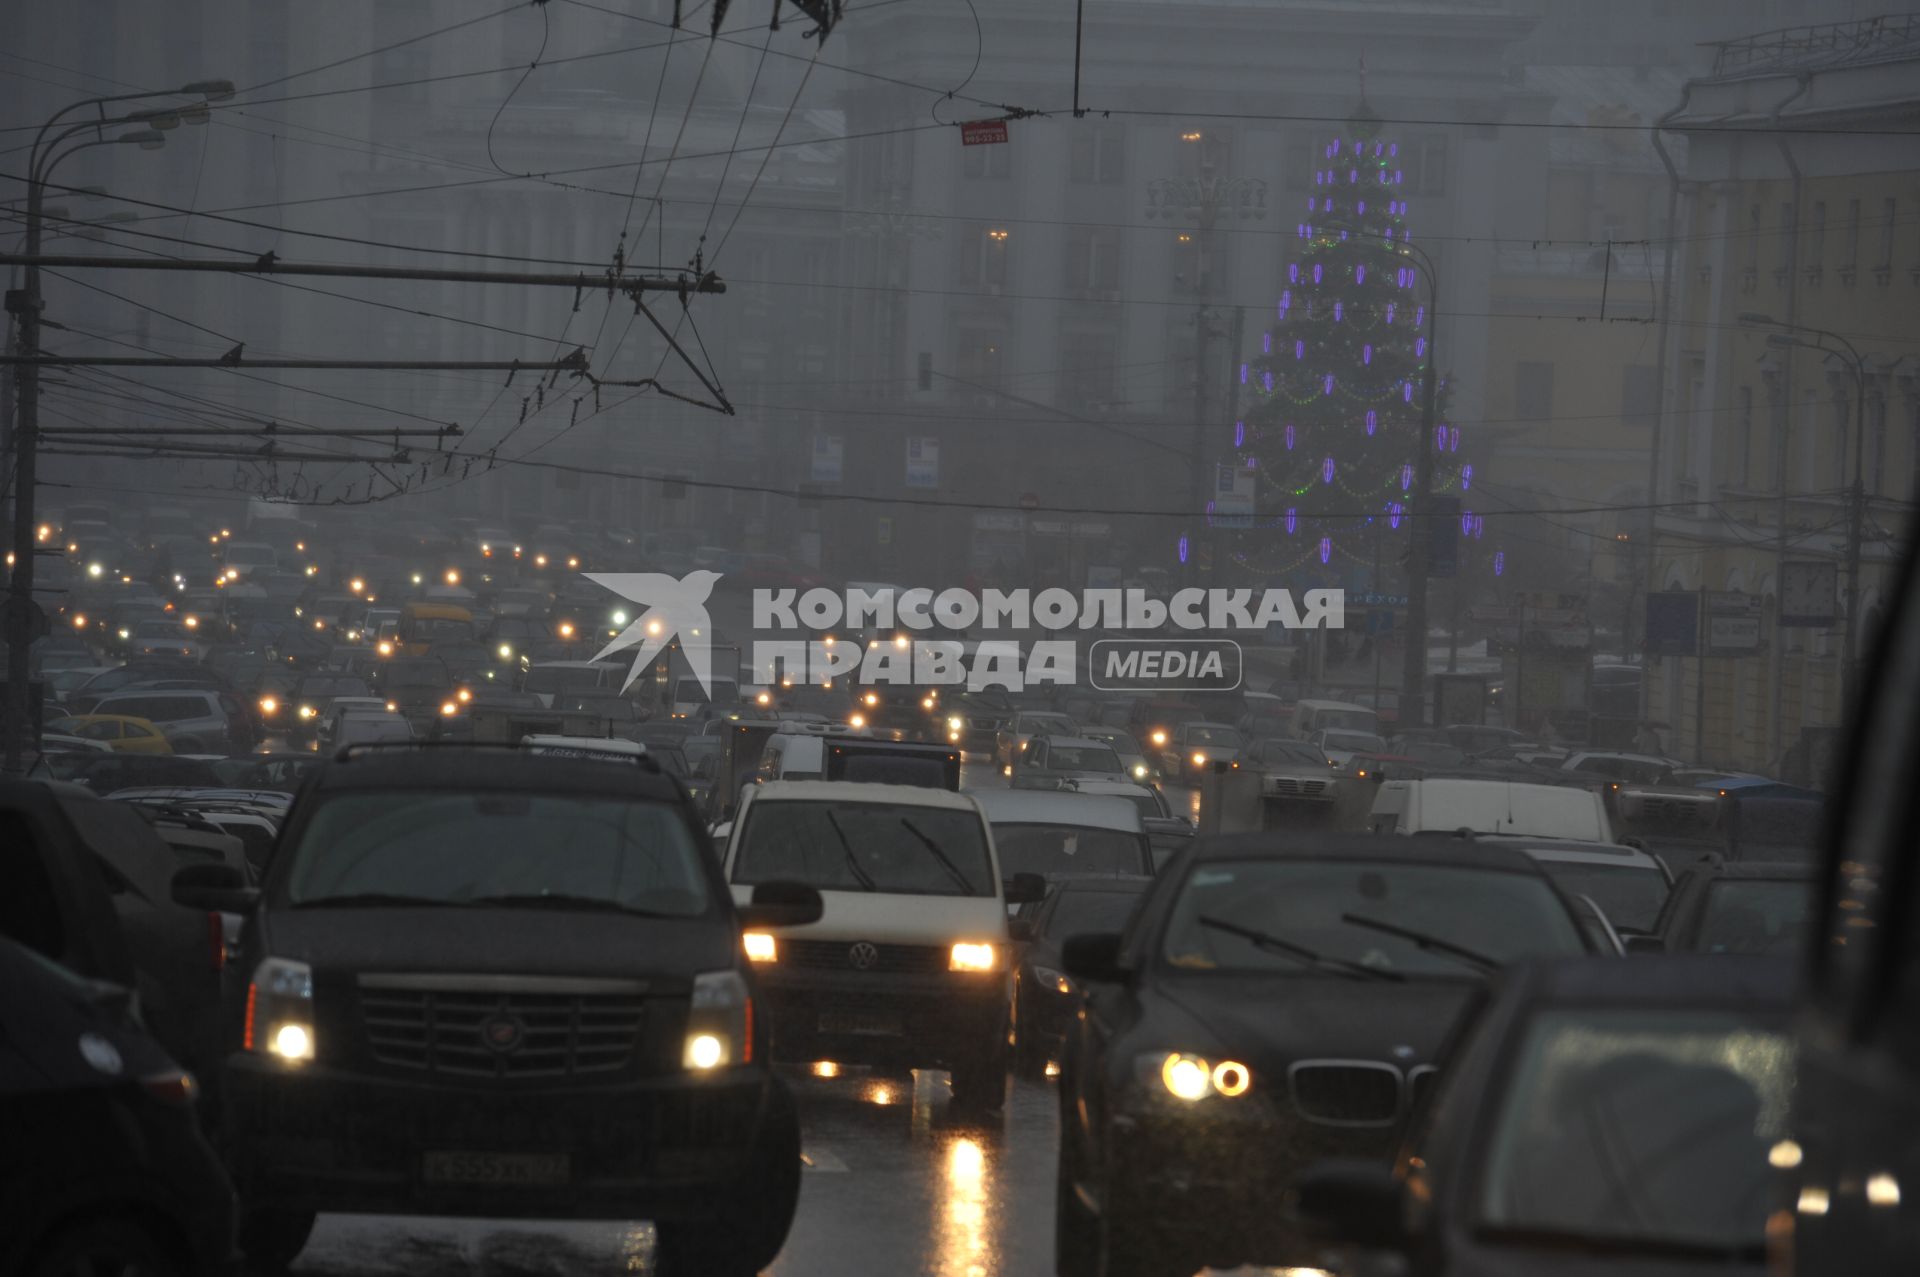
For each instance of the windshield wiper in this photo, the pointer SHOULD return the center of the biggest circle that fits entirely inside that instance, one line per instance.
(1264, 940)
(374, 899)
(953, 870)
(560, 900)
(865, 879)
(1421, 940)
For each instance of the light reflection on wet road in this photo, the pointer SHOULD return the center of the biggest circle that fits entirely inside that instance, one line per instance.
(896, 1184)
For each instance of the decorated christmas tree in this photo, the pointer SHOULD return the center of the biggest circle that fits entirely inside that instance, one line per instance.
(1329, 439)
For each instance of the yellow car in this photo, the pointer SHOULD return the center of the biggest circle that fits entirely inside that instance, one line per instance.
(118, 732)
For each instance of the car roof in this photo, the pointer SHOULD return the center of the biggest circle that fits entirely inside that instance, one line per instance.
(1760, 870)
(465, 768)
(1054, 807)
(1320, 704)
(1655, 980)
(1587, 853)
(1075, 742)
(844, 791)
(1463, 853)
(1130, 884)
(573, 665)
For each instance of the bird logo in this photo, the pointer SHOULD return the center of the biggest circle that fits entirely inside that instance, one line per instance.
(670, 607)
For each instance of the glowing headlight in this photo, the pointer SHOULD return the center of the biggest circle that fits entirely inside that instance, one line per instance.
(619, 618)
(972, 957)
(765, 698)
(857, 721)
(956, 723)
(566, 629)
(393, 707)
(872, 698)
(308, 711)
(1159, 738)
(573, 562)
(926, 703)
(96, 570)
(505, 651)
(1192, 1078)
(358, 585)
(384, 648)
(192, 622)
(279, 1012)
(463, 696)
(1139, 771)
(760, 947)
(1049, 978)
(269, 706)
(719, 1023)
(1199, 760)
(125, 634)
(449, 708)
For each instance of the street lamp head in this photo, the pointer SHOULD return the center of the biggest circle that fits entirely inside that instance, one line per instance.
(159, 117)
(195, 114)
(1781, 341)
(145, 139)
(1755, 318)
(211, 90)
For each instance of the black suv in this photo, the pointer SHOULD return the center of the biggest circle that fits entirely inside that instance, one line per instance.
(493, 983)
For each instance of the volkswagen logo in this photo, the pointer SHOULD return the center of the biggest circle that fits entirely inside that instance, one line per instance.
(502, 1034)
(863, 956)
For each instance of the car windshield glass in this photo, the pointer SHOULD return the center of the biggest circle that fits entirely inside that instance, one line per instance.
(1629, 894)
(1083, 912)
(1274, 750)
(1314, 904)
(1083, 758)
(1069, 849)
(451, 846)
(333, 687)
(1356, 720)
(429, 674)
(1225, 737)
(1117, 740)
(846, 846)
(1755, 916)
(1045, 724)
(563, 678)
(1355, 742)
(160, 629)
(1639, 1126)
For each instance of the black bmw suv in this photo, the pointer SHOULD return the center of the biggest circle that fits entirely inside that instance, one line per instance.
(497, 983)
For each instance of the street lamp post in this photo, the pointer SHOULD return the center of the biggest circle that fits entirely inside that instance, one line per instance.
(1413, 680)
(1199, 200)
(1856, 493)
(25, 305)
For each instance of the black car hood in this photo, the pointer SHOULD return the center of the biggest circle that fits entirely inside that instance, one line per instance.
(666, 952)
(1276, 1020)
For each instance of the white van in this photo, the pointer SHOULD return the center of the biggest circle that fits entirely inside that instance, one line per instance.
(910, 963)
(1319, 716)
(793, 756)
(1489, 807)
(370, 727)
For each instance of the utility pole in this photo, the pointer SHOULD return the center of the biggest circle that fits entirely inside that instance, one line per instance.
(1199, 200)
(1413, 688)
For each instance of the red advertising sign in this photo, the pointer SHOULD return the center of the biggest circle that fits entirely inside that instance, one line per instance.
(983, 132)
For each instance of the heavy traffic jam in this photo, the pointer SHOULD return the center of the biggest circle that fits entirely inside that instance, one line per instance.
(960, 638)
(411, 905)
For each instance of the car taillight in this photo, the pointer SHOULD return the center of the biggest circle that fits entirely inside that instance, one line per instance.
(175, 1087)
(246, 1035)
(216, 942)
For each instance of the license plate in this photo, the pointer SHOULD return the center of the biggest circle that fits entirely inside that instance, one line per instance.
(507, 1170)
(860, 1024)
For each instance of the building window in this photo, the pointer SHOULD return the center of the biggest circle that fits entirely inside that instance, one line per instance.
(978, 354)
(1877, 445)
(1532, 390)
(1302, 160)
(1740, 456)
(1639, 394)
(753, 358)
(1887, 209)
(1838, 436)
(1850, 247)
(993, 162)
(983, 255)
(810, 359)
(1087, 380)
(1753, 238)
(1093, 259)
(1099, 154)
(1817, 236)
(1776, 435)
(1427, 167)
(1785, 262)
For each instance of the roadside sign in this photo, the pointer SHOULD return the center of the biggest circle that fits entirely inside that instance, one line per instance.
(982, 132)
(1733, 635)
(1673, 623)
(923, 461)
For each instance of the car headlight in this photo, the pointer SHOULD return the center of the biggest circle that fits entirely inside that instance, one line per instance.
(973, 957)
(1190, 1077)
(279, 1015)
(719, 1023)
(1139, 771)
(1159, 738)
(760, 946)
(269, 706)
(449, 708)
(308, 711)
(505, 651)
(856, 721)
(1199, 760)
(1050, 978)
(956, 723)
(126, 634)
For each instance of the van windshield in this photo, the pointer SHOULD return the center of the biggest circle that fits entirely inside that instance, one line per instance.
(898, 848)
(563, 678)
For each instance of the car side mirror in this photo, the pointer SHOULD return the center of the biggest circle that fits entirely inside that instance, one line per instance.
(216, 888)
(1094, 958)
(1026, 889)
(781, 904)
(1352, 1202)
(1639, 942)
